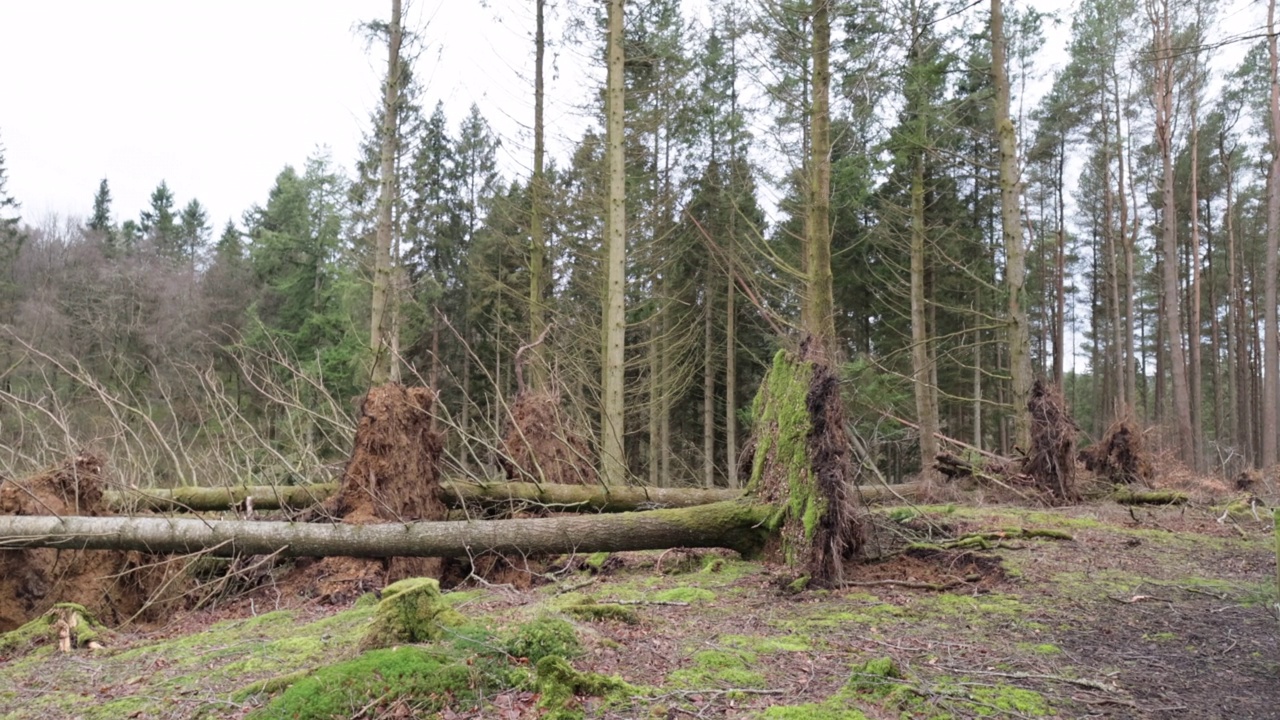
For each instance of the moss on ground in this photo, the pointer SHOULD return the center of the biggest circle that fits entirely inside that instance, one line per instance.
(429, 682)
(719, 670)
(686, 594)
(543, 637)
(559, 685)
(411, 611)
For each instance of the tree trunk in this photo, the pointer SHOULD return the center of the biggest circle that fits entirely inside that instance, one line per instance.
(921, 357)
(1194, 334)
(379, 340)
(613, 467)
(1011, 223)
(537, 201)
(737, 525)
(561, 498)
(821, 314)
(1271, 352)
(708, 393)
(1163, 101)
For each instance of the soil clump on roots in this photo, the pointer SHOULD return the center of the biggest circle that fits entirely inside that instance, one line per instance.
(1121, 457)
(393, 475)
(1051, 461)
(114, 586)
(803, 460)
(542, 444)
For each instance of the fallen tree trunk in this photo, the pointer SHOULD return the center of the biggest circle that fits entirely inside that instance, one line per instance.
(564, 498)
(737, 525)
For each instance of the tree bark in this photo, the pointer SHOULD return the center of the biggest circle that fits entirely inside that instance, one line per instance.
(737, 525)
(1271, 352)
(1163, 101)
(1011, 224)
(563, 498)
(821, 314)
(613, 468)
(538, 369)
(921, 357)
(379, 341)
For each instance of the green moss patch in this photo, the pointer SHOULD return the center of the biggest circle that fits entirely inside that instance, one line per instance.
(429, 680)
(686, 594)
(560, 685)
(719, 669)
(544, 637)
(82, 628)
(411, 611)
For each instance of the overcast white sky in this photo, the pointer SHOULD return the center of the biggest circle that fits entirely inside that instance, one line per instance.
(216, 97)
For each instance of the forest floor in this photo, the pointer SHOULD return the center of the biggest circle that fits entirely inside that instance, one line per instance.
(1154, 613)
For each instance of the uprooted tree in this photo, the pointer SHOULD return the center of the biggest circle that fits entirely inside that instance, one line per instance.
(800, 501)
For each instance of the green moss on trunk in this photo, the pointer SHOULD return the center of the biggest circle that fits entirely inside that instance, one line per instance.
(803, 466)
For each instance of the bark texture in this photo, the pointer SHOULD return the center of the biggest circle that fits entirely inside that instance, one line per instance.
(562, 498)
(737, 525)
(379, 330)
(613, 468)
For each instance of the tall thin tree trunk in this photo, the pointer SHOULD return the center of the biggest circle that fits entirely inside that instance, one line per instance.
(1011, 224)
(379, 341)
(613, 468)
(708, 394)
(921, 358)
(537, 202)
(731, 357)
(1060, 273)
(1164, 106)
(1271, 352)
(820, 294)
(655, 395)
(1194, 317)
(1128, 239)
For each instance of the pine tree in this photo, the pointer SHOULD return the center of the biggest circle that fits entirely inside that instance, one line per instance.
(193, 231)
(158, 224)
(100, 220)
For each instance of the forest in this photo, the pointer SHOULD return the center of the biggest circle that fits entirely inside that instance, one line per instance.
(761, 398)
(947, 239)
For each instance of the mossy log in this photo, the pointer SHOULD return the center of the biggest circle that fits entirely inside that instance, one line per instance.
(563, 498)
(735, 524)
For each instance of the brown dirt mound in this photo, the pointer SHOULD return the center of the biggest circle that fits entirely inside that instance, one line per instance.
(393, 475)
(542, 444)
(1051, 463)
(114, 586)
(1121, 457)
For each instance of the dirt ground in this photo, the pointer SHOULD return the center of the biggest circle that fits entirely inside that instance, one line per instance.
(1154, 613)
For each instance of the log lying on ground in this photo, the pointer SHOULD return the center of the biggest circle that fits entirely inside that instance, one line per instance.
(735, 524)
(1150, 497)
(564, 498)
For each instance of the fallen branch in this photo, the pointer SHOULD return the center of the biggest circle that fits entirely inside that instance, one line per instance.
(1081, 682)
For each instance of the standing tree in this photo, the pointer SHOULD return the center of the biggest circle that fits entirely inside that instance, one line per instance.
(193, 231)
(818, 298)
(613, 468)
(1011, 225)
(1165, 58)
(1271, 334)
(537, 212)
(100, 220)
(158, 224)
(385, 369)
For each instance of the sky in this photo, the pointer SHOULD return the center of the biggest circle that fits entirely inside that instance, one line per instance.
(215, 98)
